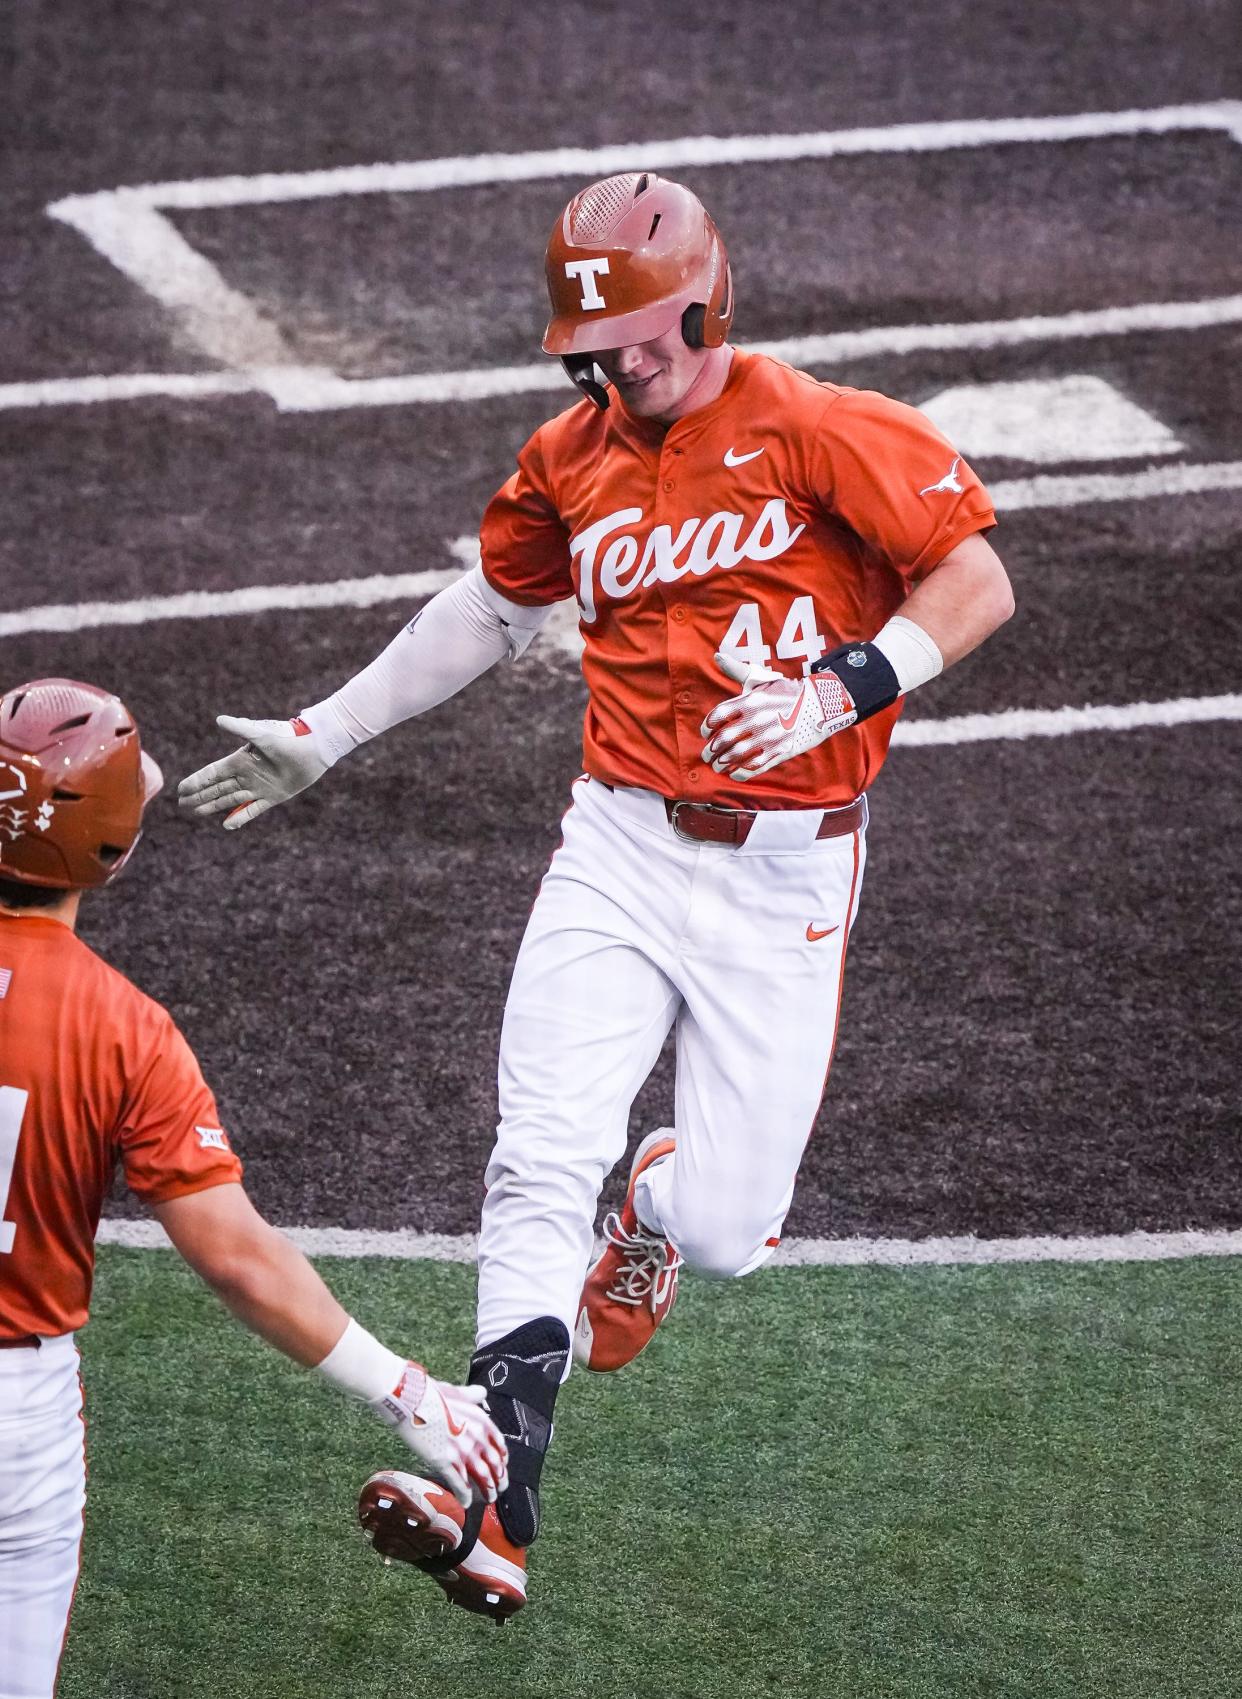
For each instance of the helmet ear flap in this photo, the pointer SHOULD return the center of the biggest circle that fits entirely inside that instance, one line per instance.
(707, 325)
(719, 314)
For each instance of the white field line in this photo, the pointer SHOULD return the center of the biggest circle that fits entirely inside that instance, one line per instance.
(1021, 723)
(150, 251)
(1010, 495)
(215, 604)
(1075, 488)
(1009, 724)
(306, 389)
(793, 1253)
(474, 170)
(132, 386)
(128, 227)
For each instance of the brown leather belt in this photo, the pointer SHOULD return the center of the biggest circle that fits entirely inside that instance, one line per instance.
(27, 1342)
(704, 822)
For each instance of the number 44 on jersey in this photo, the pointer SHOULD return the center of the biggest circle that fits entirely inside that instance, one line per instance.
(799, 638)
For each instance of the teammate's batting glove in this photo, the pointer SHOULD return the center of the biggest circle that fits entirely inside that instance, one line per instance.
(278, 759)
(774, 718)
(450, 1429)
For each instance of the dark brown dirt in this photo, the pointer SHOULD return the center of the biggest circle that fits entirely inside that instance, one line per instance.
(1040, 1029)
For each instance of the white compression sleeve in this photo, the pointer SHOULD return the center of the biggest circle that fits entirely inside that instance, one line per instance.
(462, 631)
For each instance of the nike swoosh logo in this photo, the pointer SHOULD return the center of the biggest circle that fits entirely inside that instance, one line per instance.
(814, 934)
(787, 721)
(732, 458)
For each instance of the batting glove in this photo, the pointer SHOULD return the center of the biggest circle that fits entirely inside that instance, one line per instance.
(774, 718)
(278, 759)
(450, 1429)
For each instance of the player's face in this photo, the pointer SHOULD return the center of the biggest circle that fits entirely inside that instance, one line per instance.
(660, 379)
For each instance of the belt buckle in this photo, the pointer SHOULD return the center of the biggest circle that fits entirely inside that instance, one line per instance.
(702, 808)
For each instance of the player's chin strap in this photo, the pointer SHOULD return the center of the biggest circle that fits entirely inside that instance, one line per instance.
(522, 1373)
(581, 368)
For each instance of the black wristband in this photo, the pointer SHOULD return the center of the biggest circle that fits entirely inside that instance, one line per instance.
(865, 672)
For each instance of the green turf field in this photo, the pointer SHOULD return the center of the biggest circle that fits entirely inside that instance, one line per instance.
(858, 1483)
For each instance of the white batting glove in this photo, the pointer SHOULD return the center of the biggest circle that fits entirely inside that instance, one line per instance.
(774, 718)
(278, 759)
(450, 1429)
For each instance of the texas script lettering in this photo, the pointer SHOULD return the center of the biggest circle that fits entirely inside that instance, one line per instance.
(700, 546)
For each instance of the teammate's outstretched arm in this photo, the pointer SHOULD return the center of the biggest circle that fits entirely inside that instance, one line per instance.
(462, 631)
(271, 1288)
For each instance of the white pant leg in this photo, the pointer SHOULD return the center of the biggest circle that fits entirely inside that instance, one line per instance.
(42, 1495)
(588, 1009)
(754, 1044)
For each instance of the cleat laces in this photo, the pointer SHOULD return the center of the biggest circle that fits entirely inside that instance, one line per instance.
(648, 1266)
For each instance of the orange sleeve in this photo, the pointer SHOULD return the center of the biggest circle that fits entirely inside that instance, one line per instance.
(523, 540)
(886, 471)
(170, 1136)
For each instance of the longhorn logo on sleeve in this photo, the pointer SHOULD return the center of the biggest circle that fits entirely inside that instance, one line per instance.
(948, 482)
(700, 546)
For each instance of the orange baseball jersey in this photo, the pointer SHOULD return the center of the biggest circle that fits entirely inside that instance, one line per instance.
(786, 517)
(91, 1071)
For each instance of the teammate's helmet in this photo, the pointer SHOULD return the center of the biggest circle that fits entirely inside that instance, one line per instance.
(74, 780)
(629, 258)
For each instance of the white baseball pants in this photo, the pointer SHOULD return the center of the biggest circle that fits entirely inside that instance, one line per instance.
(636, 931)
(42, 1496)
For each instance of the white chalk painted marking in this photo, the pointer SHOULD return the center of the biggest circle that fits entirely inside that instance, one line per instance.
(308, 389)
(1021, 723)
(1048, 420)
(562, 631)
(216, 604)
(132, 386)
(128, 227)
(474, 170)
(327, 393)
(563, 634)
(1070, 490)
(793, 1253)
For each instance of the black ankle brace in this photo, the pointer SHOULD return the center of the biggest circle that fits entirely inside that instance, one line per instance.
(522, 1373)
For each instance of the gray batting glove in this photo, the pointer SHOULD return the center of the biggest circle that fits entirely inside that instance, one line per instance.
(278, 759)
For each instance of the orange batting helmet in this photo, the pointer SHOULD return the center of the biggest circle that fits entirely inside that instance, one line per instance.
(629, 258)
(74, 780)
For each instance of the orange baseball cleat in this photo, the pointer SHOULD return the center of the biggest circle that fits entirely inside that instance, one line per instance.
(632, 1285)
(418, 1521)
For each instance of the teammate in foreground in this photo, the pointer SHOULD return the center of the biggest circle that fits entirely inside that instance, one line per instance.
(92, 1071)
(730, 528)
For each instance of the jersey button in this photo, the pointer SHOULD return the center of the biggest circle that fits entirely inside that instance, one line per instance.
(669, 484)
(683, 696)
(679, 614)
(693, 776)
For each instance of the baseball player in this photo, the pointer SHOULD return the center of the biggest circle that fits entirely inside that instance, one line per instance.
(764, 565)
(92, 1072)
